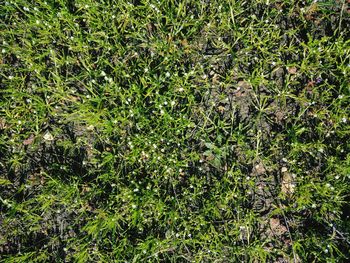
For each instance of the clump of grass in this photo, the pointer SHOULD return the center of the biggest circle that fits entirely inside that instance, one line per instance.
(165, 131)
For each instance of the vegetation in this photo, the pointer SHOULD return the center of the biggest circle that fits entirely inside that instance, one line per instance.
(174, 131)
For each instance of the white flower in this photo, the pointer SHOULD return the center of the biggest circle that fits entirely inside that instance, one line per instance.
(344, 120)
(26, 8)
(172, 103)
(134, 206)
(181, 89)
(146, 70)
(167, 74)
(10, 77)
(103, 74)
(3, 50)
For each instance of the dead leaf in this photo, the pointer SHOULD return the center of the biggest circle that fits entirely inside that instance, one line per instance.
(279, 115)
(29, 140)
(221, 109)
(244, 84)
(288, 185)
(48, 137)
(259, 169)
(292, 70)
(277, 228)
(184, 42)
(2, 124)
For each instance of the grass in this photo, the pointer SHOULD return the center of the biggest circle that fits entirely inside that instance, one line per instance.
(174, 131)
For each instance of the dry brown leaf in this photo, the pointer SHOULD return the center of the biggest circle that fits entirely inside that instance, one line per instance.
(2, 124)
(292, 70)
(184, 42)
(288, 185)
(221, 109)
(244, 84)
(277, 228)
(259, 169)
(29, 140)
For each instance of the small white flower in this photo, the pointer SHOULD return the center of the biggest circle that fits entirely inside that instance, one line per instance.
(10, 77)
(313, 206)
(3, 51)
(90, 128)
(146, 70)
(344, 120)
(172, 103)
(340, 96)
(26, 8)
(37, 22)
(103, 74)
(86, 6)
(136, 190)
(181, 89)
(167, 74)
(134, 206)
(113, 16)
(161, 112)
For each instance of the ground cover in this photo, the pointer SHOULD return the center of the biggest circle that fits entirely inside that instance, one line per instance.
(174, 131)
